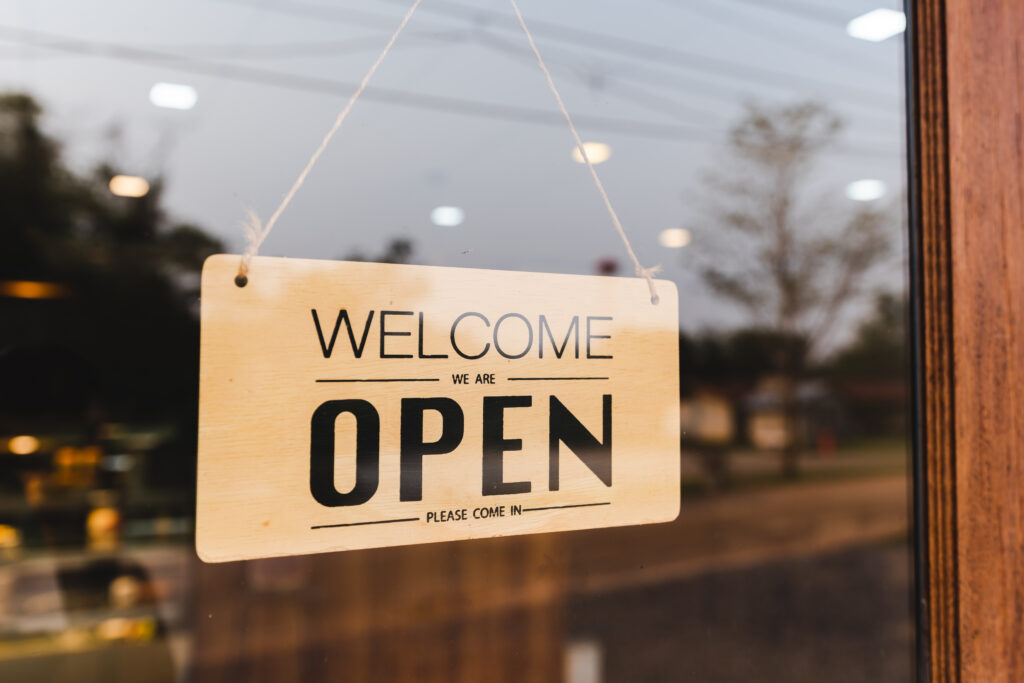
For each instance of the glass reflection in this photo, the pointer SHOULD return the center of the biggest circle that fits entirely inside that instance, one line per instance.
(757, 153)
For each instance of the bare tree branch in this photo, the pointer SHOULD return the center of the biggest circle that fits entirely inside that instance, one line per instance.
(795, 263)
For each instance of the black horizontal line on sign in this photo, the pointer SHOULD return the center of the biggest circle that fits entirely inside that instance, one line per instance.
(384, 379)
(562, 507)
(379, 521)
(548, 379)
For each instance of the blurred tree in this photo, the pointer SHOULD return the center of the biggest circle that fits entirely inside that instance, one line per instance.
(732, 362)
(793, 264)
(728, 365)
(399, 250)
(127, 281)
(879, 348)
(870, 373)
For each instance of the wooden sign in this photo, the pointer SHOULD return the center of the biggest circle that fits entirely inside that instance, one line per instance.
(357, 405)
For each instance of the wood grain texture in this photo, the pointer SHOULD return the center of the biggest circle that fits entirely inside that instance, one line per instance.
(486, 610)
(588, 436)
(935, 338)
(970, 174)
(986, 140)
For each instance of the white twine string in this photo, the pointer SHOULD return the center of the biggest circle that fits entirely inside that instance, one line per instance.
(256, 233)
(646, 273)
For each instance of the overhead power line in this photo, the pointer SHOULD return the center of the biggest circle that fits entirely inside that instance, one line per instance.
(817, 46)
(604, 83)
(714, 91)
(593, 40)
(801, 10)
(624, 87)
(321, 48)
(287, 50)
(304, 83)
(704, 66)
(333, 13)
(322, 85)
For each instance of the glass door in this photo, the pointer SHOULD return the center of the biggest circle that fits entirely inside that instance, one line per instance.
(755, 150)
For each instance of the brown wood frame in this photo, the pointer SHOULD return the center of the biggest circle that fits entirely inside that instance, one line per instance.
(966, 68)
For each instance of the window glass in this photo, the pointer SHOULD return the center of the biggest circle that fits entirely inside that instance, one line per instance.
(755, 150)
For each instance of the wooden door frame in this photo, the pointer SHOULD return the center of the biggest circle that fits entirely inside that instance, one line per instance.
(965, 69)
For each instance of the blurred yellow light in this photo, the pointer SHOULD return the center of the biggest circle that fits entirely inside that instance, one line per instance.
(9, 536)
(129, 186)
(115, 628)
(597, 152)
(674, 238)
(102, 526)
(125, 591)
(27, 289)
(23, 445)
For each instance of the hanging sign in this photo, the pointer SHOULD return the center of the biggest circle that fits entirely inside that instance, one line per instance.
(358, 405)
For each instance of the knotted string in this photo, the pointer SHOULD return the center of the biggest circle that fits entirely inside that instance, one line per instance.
(256, 233)
(646, 273)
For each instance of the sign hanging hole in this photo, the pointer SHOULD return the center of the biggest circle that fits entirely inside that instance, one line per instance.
(257, 232)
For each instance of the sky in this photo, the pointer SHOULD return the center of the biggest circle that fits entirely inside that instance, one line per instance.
(458, 114)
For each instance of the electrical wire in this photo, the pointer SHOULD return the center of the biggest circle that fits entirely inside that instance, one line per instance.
(624, 88)
(804, 42)
(294, 49)
(799, 9)
(344, 14)
(604, 83)
(702, 65)
(671, 56)
(322, 85)
(446, 104)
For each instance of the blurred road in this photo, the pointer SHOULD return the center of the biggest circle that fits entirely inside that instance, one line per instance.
(742, 529)
(843, 617)
(772, 584)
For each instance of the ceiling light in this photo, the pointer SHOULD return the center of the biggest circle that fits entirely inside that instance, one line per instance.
(23, 445)
(173, 96)
(877, 25)
(674, 238)
(597, 152)
(447, 216)
(866, 190)
(129, 186)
